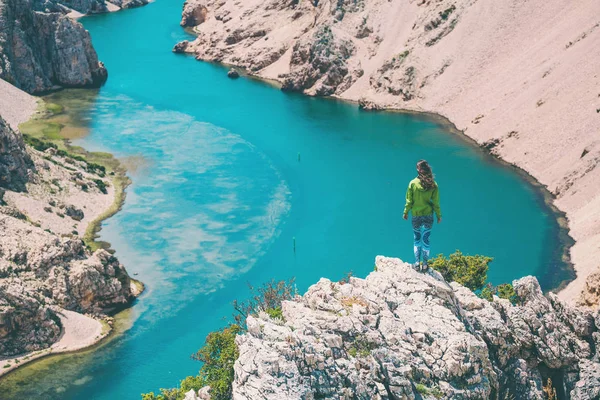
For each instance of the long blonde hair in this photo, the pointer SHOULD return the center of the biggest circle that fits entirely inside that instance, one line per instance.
(425, 175)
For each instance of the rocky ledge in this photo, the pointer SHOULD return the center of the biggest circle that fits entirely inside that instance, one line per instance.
(400, 334)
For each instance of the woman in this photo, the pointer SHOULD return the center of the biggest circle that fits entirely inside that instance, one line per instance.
(423, 198)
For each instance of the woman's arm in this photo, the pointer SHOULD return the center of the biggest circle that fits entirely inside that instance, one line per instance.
(409, 201)
(436, 203)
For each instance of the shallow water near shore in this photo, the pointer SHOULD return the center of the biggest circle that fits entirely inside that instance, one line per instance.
(228, 174)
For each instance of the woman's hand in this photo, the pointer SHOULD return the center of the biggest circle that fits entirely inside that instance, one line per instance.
(439, 220)
(405, 216)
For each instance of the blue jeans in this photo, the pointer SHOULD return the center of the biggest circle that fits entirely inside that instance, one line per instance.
(421, 231)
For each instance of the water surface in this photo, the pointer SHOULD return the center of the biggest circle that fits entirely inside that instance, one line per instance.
(226, 174)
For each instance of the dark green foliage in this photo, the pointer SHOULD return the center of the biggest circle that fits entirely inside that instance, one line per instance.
(469, 271)
(504, 291)
(220, 351)
(488, 292)
(360, 347)
(38, 144)
(507, 291)
(275, 313)
(96, 169)
(446, 13)
(218, 355)
(101, 185)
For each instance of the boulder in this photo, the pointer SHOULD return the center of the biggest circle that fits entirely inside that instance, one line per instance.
(233, 74)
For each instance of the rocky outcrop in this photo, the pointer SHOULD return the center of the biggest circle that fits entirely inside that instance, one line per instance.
(42, 49)
(517, 70)
(15, 163)
(130, 3)
(44, 264)
(320, 64)
(86, 6)
(590, 296)
(26, 322)
(194, 13)
(400, 334)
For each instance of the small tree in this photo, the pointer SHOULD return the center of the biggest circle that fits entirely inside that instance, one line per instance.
(218, 355)
(469, 271)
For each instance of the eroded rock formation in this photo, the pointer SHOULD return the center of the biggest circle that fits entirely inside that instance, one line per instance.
(44, 264)
(400, 334)
(42, 49)
(15, 163)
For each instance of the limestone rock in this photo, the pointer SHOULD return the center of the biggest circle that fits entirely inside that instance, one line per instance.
(590, 296)
(130, 3)
(403, 334)
(181, 46)
(320, 63)
(46, 269)
(26, 323)
(194, 13)
(42, 49)
(14, 160)
(86, 6)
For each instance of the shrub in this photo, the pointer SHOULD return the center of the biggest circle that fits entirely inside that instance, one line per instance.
(101, 185)
(220, 351)
(469, 271)
(504, 291)
(507, 291)
(488, 292)
(218, 355)
(266, 298)
(275, 313)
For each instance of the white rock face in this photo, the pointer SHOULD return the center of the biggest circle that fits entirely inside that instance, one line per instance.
(399, 334)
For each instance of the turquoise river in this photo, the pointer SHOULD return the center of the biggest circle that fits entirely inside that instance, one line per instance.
(228, 173)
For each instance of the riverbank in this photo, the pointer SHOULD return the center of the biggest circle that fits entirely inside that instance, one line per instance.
(523, 89)
(69, 193)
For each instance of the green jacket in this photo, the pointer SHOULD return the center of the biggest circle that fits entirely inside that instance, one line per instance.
(421, 201)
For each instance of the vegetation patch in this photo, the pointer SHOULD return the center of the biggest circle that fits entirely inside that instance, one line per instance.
(219, 352)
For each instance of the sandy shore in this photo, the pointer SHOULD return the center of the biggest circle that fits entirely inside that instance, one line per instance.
(78, 332)
(16, 106)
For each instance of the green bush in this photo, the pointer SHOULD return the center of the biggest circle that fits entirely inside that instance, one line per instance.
(218, 355)
(275, 313)
(504, 291)
(507, 291)
(488, 292)
(469, 271)
(220, 351)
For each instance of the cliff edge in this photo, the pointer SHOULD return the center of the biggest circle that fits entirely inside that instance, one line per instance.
(400, 334)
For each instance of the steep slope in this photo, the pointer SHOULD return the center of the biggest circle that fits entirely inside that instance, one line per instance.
(521, 78)
(400, 334)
